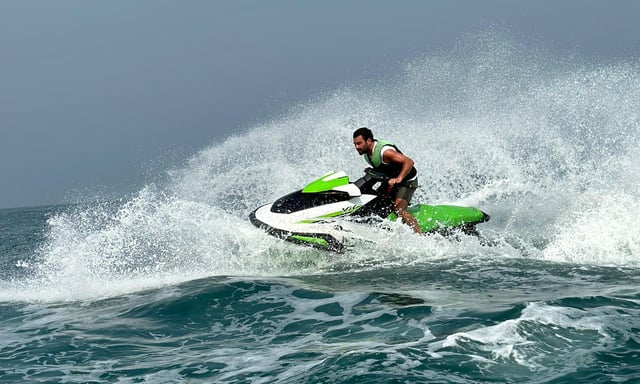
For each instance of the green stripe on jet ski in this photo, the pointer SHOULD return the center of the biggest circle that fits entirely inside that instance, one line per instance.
(346, 211)
(322, 185)
(310, 240)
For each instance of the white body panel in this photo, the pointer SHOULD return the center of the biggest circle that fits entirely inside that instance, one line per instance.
(302, 222)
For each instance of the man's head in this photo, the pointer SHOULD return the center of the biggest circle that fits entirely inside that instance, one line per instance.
(363, 140)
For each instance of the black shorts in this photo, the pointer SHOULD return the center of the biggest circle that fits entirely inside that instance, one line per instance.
(406, 190)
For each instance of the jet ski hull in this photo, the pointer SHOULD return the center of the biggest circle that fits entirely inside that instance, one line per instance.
(334, 233)
(331, 212)
(300, 234)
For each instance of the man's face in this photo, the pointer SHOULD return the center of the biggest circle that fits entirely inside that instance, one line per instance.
(362, 145)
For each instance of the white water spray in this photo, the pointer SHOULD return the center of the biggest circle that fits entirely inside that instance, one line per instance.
(547, 146)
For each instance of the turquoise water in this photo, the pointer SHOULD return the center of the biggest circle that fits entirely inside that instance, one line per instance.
(174, 285)
(461, 319)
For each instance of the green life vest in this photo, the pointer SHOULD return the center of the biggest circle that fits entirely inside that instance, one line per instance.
(376, 156)
(390, 170)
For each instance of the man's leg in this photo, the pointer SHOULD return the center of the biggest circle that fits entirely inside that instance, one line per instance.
(402, 198)
(401, 210)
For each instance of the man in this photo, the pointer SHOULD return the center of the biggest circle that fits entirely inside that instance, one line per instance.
(387, 159)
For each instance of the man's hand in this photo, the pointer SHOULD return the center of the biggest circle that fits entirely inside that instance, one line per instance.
(392, 183)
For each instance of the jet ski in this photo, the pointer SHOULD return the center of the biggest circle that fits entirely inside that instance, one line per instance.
(332, 213)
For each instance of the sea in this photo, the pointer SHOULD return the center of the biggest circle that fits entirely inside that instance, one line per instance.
(173, 284)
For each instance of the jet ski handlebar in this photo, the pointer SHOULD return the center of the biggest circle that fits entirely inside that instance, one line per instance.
(372, 174)
(370, 179)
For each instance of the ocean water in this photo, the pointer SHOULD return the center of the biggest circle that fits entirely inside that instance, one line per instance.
(174, 285)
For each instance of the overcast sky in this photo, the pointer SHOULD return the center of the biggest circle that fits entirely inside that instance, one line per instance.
(94, 94)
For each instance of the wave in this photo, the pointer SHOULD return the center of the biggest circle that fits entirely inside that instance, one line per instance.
(372, 324)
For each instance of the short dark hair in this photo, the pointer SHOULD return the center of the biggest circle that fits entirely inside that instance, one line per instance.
(364, 132)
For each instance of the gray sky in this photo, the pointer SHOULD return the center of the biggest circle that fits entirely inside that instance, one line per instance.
(99, 94)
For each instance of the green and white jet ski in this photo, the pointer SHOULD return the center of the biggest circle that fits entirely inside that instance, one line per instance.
(331, 212)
